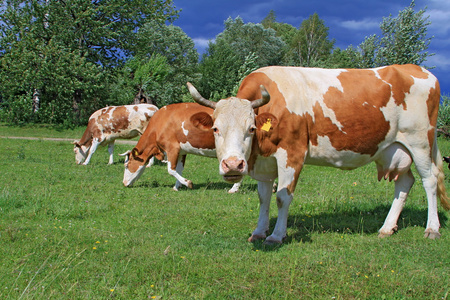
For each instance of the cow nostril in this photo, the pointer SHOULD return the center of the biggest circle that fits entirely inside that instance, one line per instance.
(241, 165)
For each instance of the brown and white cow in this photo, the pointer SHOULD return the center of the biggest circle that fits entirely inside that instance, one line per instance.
(170, 133)
(111, 123)
(342, 118)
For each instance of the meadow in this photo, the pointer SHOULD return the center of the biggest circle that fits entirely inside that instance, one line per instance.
(75, 232)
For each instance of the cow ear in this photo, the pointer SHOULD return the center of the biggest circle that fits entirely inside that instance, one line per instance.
(135, 152)
(266, 122)
(202, 120)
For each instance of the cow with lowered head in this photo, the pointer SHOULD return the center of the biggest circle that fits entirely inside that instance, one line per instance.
(285, 117)
(170, 134)
(111, 123)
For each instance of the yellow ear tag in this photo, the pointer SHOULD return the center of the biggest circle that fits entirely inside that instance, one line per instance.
(266, 126)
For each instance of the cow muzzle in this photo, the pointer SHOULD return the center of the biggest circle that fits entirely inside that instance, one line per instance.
(233, 169)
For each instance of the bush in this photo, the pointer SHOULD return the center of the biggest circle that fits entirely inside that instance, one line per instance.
(443, 122)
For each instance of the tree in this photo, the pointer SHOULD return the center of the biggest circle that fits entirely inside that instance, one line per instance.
(140, 79)
(230, 51)
(171, 42)
(310, 44)
(404, 40)
(68, 50)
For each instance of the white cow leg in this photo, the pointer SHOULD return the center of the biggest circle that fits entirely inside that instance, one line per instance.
(95, 143)
(177, 173)
(402, 186)
(264, 193)
(432, 230)
(429, 172)
(111, 151)
(235, 188)
(151, 162)
(284, 200)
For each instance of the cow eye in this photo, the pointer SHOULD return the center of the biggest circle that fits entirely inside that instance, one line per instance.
(215, 130)
(252, 129)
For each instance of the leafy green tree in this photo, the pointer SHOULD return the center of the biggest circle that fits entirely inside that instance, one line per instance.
(140, 79)
(310, 44)
(172, 43)
(230, 50)
(404, 40)
(67, 50)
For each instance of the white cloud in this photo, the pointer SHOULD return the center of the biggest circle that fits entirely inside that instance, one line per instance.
(201, 44)
(442, 62)
(363, 24)
(439, 21)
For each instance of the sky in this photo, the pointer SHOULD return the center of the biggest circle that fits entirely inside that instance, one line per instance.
(349, 21)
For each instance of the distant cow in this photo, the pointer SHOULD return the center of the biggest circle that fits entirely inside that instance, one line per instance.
(340, 118)
(111, 123)
(171, 134)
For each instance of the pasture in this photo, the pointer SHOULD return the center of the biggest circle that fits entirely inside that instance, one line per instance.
(75, 232)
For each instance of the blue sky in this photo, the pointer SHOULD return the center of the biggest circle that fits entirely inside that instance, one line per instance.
(349, 21)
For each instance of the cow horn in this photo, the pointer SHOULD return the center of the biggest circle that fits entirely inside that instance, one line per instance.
(198, 98)
(264, 100)
(125, 153)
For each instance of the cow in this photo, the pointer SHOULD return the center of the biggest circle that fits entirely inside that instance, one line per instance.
(111, 123)
(170, 134)
(285, 117)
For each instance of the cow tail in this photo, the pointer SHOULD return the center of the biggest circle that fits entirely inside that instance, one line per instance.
(441, 192)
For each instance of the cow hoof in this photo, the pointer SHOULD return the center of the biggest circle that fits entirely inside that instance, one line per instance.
(270, 241)
(382, 235)
(256, 237)
(189, 184)
(431, 234)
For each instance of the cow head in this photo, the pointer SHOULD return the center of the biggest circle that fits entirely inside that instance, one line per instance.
(234, 124)
(134, 166)
(80, 152)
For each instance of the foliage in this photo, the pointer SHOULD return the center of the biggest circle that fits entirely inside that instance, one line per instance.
(141, 77)
(179, 50)
(443, 121)
(67, 50)
(74, 232)
(404, 40)
(310, 44)
(228, 52)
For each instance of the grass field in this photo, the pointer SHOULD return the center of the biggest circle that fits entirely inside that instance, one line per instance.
(74, 232)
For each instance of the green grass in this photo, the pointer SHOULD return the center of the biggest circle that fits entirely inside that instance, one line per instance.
(74, 232)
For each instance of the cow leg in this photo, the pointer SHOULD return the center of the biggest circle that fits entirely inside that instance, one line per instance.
(176, 169)
(151, 162)
(111, 151)
(402, 187)
(235, 188)
(264, 193)
(284, 199)
(95, 143)
(429, 173)
(430, 170)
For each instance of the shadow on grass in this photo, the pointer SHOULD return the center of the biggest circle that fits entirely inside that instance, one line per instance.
(346, 222)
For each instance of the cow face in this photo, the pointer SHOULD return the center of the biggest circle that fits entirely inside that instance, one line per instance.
(234, 127)
(80, 153)
(134, 167)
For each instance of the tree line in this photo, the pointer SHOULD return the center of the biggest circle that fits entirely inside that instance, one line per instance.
(62, 60)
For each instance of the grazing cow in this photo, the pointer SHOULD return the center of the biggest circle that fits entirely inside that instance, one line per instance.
(340, 118)
(111, 123)
(171, 134)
